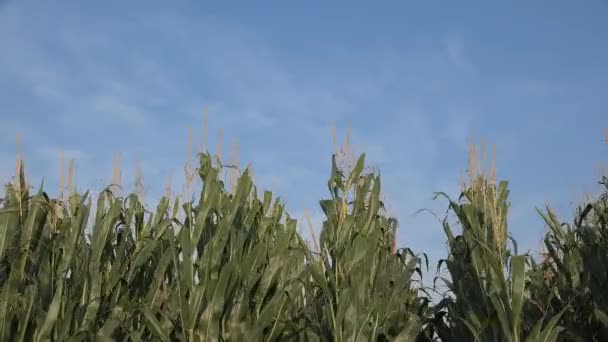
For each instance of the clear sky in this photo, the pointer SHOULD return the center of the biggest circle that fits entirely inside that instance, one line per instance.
(417, 79)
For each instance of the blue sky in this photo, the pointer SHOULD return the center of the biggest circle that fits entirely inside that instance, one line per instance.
(416, 81)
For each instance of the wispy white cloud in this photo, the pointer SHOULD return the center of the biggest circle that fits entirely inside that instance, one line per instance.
(459, 127)
(55, 153)
(537, 87)
(79, 84)
(456, 49)
(85, 44)
(280, 115)
(123, 109)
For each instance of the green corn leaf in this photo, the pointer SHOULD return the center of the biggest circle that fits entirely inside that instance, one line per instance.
(517, 291)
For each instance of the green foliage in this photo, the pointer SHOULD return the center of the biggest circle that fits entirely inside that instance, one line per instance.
(575, 271)
(231, 266)
(226, 267)
(357, 290)
(486, 298)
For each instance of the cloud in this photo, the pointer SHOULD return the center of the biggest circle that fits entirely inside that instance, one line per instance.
(456, 50)
(79, 84)
(536, 87)
(119, 108)
(85, 44)
(145, 86)
(460, 125)
(54, 153)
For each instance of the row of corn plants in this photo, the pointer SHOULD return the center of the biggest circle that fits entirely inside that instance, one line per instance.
(228, 265)
(231, 266)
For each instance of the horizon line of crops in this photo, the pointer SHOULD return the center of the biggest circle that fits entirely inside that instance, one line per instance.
(231, 265)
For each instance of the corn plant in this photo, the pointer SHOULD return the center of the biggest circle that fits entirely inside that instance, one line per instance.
(238, 264)
(575, 270)
(486, 299)
(356, 290)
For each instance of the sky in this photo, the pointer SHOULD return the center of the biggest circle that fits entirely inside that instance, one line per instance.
(416, 80)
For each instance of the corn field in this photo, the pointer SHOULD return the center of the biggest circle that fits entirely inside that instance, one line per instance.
(231, 266)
